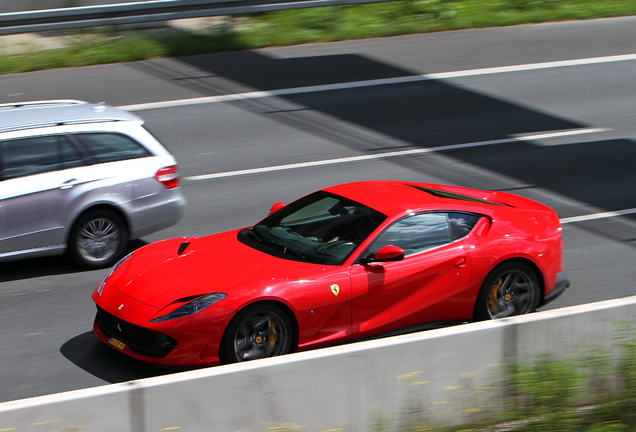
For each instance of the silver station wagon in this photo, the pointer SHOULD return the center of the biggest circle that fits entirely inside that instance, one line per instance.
(82, 179)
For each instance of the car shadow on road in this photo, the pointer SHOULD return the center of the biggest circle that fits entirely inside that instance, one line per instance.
(87, 352)
(430, 114)
(47, 266)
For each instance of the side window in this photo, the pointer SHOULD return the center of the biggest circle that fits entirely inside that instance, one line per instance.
(462, 223)
(69, 158)
(416, 233)
(111, 147)
(28, 156)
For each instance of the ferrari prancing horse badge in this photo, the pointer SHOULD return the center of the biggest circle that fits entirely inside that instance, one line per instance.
(335, 289)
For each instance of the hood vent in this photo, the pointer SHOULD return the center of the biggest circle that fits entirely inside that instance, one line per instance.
(182, 247)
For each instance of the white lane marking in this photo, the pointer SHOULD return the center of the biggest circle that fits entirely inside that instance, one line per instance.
(594, 216)
(533, 66)
(573, 219)
(418, 151)
(376, 82)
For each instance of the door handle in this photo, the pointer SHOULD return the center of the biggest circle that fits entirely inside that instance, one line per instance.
(69, 184)
(460, 263)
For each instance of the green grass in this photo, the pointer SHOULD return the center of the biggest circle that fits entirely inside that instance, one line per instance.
(556, 396)
(312, 25)
(593, 392)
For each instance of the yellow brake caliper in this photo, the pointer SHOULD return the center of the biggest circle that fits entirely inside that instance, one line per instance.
(492, 298)
(271, 339)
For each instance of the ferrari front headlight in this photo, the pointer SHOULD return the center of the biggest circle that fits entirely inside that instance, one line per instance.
(192, 307)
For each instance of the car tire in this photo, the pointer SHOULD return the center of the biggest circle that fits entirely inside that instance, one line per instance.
(512, 288)
(98, 239)
(258, 331)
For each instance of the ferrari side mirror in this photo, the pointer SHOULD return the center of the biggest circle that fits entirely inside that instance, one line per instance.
(279, 205)
(385, 254)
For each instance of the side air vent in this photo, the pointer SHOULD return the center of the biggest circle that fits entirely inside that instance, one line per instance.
(451, 195)
(188, 299)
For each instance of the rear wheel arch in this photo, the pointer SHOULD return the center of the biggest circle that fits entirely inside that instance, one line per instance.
(100, 210)
(519, 262)
(103, 206)
(532, 265)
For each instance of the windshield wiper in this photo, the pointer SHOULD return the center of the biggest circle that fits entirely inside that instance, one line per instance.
(285, 249)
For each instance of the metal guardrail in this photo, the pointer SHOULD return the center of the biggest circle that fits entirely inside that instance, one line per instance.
(149, 11)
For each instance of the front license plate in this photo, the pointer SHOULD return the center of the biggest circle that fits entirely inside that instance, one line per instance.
(117, 343)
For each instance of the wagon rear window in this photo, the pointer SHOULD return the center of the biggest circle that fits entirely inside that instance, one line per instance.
(110, 147)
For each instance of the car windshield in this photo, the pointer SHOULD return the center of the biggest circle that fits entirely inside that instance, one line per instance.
(322, 228)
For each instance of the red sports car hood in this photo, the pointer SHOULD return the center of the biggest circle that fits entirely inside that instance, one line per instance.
(157, 274)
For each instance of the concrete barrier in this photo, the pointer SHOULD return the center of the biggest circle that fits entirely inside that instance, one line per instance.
(427, 378)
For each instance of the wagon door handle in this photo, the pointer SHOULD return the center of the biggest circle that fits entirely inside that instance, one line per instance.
(460, 263)
(69, 184)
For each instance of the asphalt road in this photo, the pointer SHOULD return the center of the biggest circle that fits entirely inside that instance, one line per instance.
(462, 123)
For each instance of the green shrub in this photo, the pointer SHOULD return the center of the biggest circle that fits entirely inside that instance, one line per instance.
(544, 386)
(291, 27)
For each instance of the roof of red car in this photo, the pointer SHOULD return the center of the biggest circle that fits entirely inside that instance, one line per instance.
(392, 197)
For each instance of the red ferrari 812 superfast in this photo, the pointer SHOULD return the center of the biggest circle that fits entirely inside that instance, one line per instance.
(349, 262)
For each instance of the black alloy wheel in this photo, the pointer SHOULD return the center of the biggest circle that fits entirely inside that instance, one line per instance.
(512, 288)
(258, 331)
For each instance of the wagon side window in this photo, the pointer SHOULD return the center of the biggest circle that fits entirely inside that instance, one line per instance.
(29, 156)
(111, 147)
(416, 233)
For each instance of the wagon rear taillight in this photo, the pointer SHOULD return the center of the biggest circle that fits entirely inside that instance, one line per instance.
(168, 176)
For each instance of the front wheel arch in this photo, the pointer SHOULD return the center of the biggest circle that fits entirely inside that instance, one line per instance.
(224, 347)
